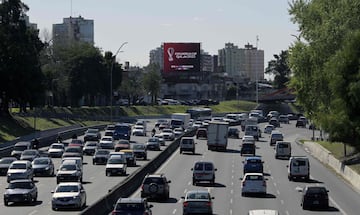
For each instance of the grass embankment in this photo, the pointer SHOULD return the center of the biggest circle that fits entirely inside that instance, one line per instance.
(19, 125)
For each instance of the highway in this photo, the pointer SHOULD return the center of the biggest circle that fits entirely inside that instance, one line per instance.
(282, 194)
(95, 182)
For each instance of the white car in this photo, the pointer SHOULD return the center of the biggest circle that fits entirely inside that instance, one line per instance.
(90, 147)
(70, 194)
(253, 183)
(116, 164)
(178, 132)
(139, 130)
(161, 139)
(168, 134)
(56, 150)
(107, 142)
(20, 169)
(248, 138)
(268, 129)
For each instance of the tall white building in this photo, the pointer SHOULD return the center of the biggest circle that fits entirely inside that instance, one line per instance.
(73, 29)
(157, 56)
(242, 63)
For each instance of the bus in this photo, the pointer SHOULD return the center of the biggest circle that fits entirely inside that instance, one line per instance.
(200, 113)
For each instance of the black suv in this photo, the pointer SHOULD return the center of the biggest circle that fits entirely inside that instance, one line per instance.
(300, 123)
(132, 206)
(315, 196)
(155, 186)
(233, 132)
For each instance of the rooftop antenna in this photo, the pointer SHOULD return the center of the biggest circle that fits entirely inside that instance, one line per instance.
(257, 41)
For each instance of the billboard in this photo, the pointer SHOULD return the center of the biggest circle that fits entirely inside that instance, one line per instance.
(181, 57)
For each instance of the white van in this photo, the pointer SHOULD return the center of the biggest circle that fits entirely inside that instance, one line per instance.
(187, 144)
(282, 149)
(299, 167)
(203, 171)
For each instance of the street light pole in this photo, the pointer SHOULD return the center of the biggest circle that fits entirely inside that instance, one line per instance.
(111, 81)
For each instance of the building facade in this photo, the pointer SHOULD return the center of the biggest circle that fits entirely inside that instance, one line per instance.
(73, 29)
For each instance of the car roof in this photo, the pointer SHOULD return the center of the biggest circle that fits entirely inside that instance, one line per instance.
(275, 132)
(22, 143)
(197, 191)
(21, 161)
(69, 184)
(156, 175)
(130, 200)
(21, 180)
(254, 173)
(253, 158)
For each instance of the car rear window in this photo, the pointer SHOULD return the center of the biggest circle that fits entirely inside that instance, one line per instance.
(277, 136)
(130, 206)
(150, 180)
(187, 141)
(199, 166)
(198, 196)
(254, 177)
(283, 145)
(247, 145)
(299, 163)
(254, 161)
(316, 190)
(208, 167)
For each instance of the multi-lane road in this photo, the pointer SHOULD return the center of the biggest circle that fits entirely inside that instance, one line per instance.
(282, 194)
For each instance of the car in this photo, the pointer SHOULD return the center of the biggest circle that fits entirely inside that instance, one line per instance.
(268, 129)
(68, 195)
(197, 124)
(155, 186)
(5, 162)
(100, 156)
(263, 212)
(253, 164)
(274, 121)
(248, 138)
(132, 206)
(56, 150)
(110, 128)
(203, 171)
(253, 130)
(106, 142)
(43, 166)
(164, 125)
(92, 134)
(198, 202)
(178, 132)
(20, 169)
(272, 114)
(284, 119)
(23, 190)
(159, 121)
(29, 154)
(19, 147)
(139, 150)
(76, 142)
(315, 196)
(153, 143)
(282, 149)
(298, 168)
(90, 147)
(234, 132)
(76, 160)
(121, 144)
(247, 148)
(168, 134)
(139, 130)
(300, 123)
(253, 183)
(109, 133)
(276, 136)
(130, 157)
(187, 144)
(201, 133)
(69, 172)
(161, 139)
(116, 165)
(73, 151)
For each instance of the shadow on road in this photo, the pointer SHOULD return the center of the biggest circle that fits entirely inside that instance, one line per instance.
(203, 184)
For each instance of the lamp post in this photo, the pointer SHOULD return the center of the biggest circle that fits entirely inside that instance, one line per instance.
(111, 81)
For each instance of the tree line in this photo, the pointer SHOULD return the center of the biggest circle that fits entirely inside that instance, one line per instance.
(35, 73)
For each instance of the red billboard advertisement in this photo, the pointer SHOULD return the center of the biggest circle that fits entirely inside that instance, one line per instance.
(181, 57)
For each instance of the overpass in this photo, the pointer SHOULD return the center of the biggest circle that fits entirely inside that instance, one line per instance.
(278, 95)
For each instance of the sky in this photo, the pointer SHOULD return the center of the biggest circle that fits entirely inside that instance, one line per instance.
(146, 24)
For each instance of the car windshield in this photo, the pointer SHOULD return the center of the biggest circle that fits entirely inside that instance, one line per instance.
(116, 160)
(41, 161)
(29, 153)
(57, 146)
(138, 147)
(20, 148)
(18, 166)
(254, 177)
(20, 185)
(198, 196)
(130, 206)
(68, 167)
(7, 161)
(106, 139)
(67, 188)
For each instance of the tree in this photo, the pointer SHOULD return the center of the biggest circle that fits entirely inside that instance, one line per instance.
(152, 81)
(280, 69)
(21, 79)
(325, 65)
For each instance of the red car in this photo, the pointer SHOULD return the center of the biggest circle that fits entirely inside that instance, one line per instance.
(201, 133)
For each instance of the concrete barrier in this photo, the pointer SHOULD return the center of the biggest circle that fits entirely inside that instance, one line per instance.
(325, 156)
(124, 189)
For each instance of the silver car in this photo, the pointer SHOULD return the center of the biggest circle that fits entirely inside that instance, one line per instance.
(197, 201)
(68, 195)
(20, 170)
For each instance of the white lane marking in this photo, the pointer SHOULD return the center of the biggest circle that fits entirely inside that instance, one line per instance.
(185, 190)
(272, 178)
(230, 212)
(282, 201)
(232, 177)
(337, 206)
(33, 212)
(232, 191)
(275, 184)
(287, 212)
(189, 183)
(232, 183)
(91, 178)
(168, 161)
(278, 192)
(174, 211)
(231, 201)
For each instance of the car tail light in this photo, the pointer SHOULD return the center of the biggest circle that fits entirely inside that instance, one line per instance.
(208, 204)
(185, 204)
(146, 213)
(113, 212)
(243, 183)
(264, 183)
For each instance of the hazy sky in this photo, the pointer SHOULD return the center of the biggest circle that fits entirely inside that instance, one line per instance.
(146, 24)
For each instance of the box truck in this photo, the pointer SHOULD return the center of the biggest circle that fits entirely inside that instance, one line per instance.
(217, 133)
(180, 120)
